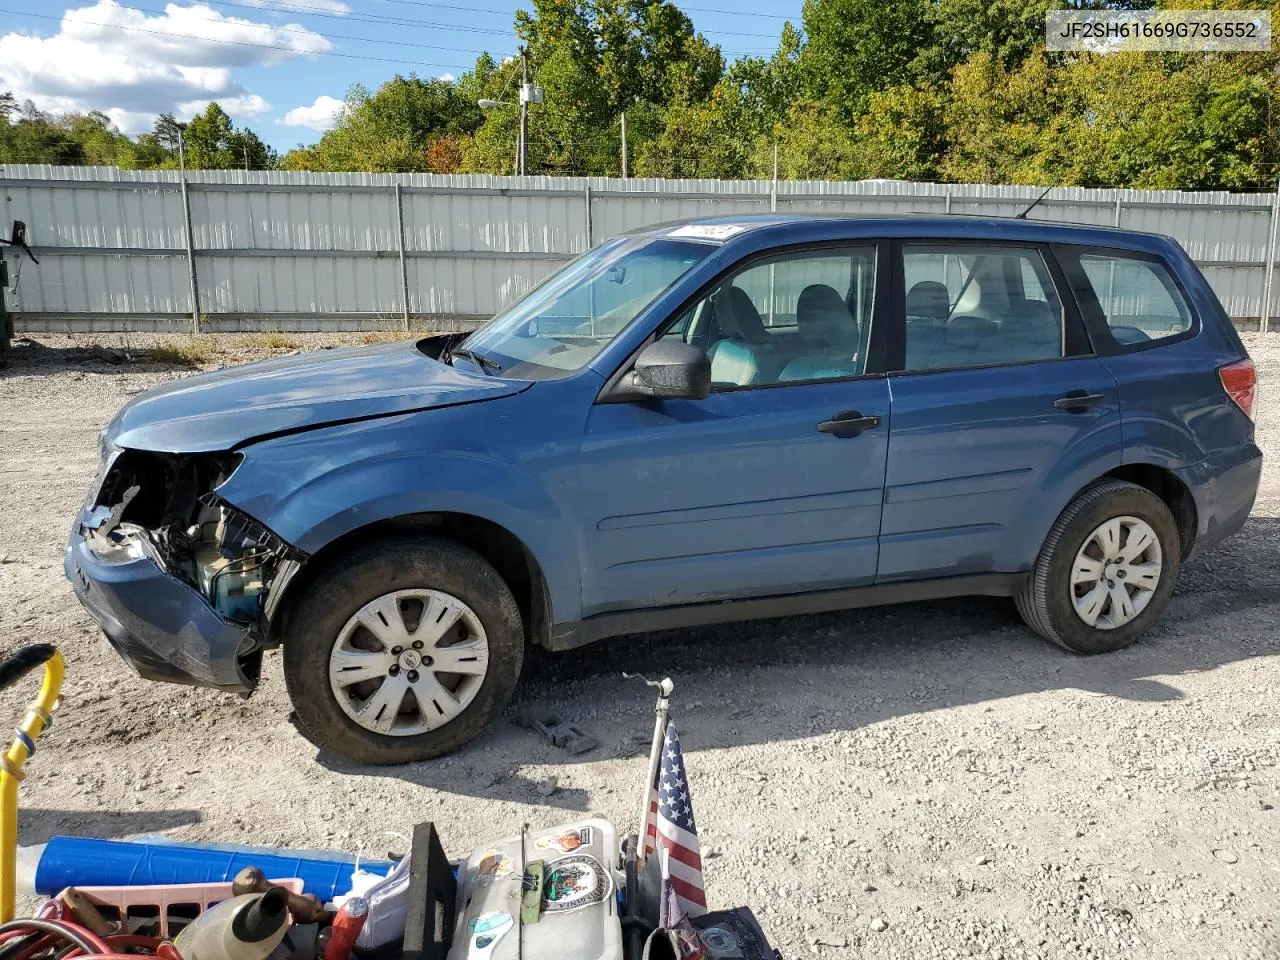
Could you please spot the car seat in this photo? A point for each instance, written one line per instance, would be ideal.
(743, 354)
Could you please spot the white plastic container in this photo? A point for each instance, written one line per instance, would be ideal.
(578, 917)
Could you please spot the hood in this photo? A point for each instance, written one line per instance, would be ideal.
(229, 408)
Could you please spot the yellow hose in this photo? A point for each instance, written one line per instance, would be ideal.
(33, 724)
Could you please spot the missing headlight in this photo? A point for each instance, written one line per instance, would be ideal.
(235, 559)
(162, 507)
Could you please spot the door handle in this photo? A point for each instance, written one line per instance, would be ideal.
(848, 423)
(1078, 400)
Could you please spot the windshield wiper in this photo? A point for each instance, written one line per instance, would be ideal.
(480, 360)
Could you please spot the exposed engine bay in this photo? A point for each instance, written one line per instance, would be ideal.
(162, 507)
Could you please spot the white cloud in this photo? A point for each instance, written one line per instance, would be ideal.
(249, 105)
(447, 77)
(302, 6)
(170, 62)
(319, 116)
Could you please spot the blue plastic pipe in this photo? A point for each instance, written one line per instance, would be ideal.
(87, 862)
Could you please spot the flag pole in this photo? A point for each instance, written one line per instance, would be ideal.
(664, 687)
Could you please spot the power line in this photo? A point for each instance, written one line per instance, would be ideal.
(289, 6)
(682, 6)
(297, 6)
(236, 43)
(292, 7)
(454, 6)
(311, 11)
(307, 31)
(737, 13)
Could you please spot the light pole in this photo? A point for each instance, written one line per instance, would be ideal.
(486, 104)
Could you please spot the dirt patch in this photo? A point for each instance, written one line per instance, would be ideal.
(914, 781)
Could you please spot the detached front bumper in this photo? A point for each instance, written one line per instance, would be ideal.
(162, 627)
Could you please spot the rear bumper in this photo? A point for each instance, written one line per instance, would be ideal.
(161, 627)
(1224, 491)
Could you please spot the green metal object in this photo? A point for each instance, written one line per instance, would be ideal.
(531, 894)
(6, 318)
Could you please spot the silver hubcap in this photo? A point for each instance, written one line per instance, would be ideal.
(1116, 573)
(408, 662)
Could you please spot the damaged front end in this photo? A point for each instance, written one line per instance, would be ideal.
(183, 584)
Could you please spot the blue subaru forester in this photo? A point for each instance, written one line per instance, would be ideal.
(698, 422)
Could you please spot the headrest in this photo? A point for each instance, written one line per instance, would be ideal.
(1032, 321)
(821, 313)
(738, 317)
(929, 299)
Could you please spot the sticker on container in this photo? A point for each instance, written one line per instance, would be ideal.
(566, 842)
(720, 943)
(486, 930)
(574, 882)
(493, 866)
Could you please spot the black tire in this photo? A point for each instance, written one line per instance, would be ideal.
(367, 574)
(1045, 602)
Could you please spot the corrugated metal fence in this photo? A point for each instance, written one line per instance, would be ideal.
(300, 251)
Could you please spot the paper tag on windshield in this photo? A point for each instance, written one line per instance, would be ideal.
(707, 231)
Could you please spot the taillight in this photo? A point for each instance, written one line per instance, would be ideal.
(1240, 381)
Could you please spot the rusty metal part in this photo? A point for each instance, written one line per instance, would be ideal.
(85, 912)
(303, 907)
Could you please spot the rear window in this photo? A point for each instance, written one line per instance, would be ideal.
(1139, 298)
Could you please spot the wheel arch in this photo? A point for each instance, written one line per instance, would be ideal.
(1166, 485)
(1162, 482)
(498, 546)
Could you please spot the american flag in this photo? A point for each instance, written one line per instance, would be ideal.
(670, 825)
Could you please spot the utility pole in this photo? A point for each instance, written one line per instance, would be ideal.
(524, 112)
(624, 144)
(186, 225)
(773, 191)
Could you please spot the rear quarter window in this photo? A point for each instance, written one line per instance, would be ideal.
(1138, 298)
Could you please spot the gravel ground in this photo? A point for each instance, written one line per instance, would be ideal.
(914, 781)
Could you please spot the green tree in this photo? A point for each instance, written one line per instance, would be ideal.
(213, 143)
(594, 59)
(855, 47)
(902, 135)
(813, 144)
(390, 131)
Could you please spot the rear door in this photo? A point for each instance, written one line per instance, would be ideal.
(1001, 412)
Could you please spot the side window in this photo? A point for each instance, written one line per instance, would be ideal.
(788, 319)
(1139, 299)
(968, 306)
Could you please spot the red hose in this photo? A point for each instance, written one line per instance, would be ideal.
(59, 928)
(118, 941)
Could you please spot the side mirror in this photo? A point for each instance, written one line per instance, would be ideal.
(668, 369)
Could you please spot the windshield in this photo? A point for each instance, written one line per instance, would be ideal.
(561, 324)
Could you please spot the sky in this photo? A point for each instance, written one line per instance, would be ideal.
(279, 66)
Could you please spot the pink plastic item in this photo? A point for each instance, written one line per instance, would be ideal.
(155, 901)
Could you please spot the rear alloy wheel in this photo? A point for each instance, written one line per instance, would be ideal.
(1106, 569)
(1116, 573)
(403, 651)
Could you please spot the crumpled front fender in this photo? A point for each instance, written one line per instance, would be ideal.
(314, 488)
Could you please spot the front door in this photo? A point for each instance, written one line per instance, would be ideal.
(1000, 411)
(770, 485)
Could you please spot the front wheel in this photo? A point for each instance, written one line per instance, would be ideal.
(1106, 570)
(404, 651)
